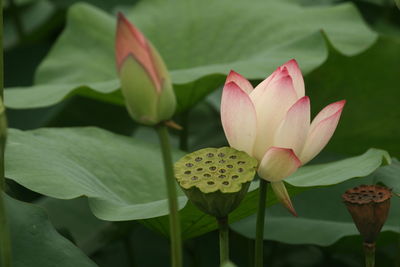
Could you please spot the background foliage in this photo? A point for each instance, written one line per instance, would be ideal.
(88, 156)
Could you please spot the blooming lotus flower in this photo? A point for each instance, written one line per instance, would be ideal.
(145, 81)
(272, 123)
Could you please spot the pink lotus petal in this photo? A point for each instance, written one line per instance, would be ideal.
(277, 164)
(242, 82)
(292, 132)
(295, 73)
(238, 118)
(271, 107)
(278, 74)
(283, 196)
(321, 130)
(131, 42)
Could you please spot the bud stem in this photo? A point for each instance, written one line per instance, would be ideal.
(175, 230)
(259, 244)
(369, 250)
(223, 239)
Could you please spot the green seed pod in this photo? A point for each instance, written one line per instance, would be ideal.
(216, 179)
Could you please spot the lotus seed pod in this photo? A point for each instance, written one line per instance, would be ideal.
(369, 206)
(216, 179)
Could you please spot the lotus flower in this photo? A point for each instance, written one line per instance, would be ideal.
(145, 81)
(272, 123)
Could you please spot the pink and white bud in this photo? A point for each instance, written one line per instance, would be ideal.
(145, 81)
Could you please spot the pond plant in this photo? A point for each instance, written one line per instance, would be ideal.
(165, 133)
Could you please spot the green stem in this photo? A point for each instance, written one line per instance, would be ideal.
(5, 243)
(369, 250)
(223, 239)
(175, 230)
(259, 245)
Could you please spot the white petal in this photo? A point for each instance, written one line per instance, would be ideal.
(238, 118)
(277, 164)
(321, 130)
(295, 73)
(283, 196)
(242, 82)
(271, 107)
(292, 132)
(276, 75)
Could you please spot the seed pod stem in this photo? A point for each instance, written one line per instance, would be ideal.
(369, 206)
(223, 239)
(369, 250)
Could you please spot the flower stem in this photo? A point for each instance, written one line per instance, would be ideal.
(5, 243)
(223, 239)
(369, 250)
(175, 230)
(259, 245)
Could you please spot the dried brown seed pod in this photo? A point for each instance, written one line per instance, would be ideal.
(369, 206)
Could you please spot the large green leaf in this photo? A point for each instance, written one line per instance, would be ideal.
(35, 243)
(74, 218)
(339, 171)
(122, 178)
(323, 218)
(200, 42)
(389, 176)
(370, 84)
(195, 223)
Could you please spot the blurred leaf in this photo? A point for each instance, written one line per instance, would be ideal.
(84, 111)
(6, 3)
(82, 61)
(228, 264)
(195, 223)
(122, 178)
(36, 243)
(389, 176)
(32, 15)
(323, 218)
(75, 217)
(339, 171)
(370, 84)
(386, 3)
(104, 4)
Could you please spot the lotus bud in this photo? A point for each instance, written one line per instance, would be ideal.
(369, 207)
(145, 82)
(216, 179)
